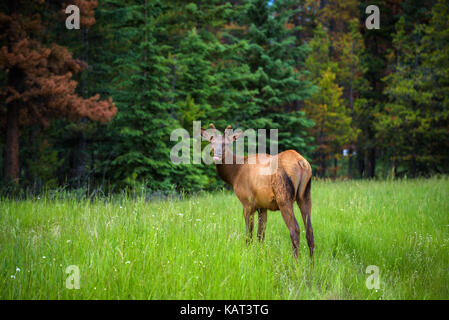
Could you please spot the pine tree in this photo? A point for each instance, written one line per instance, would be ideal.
(372, 99)
(144, 124)
(414, 124)
(277, 65)
(352, 70)
(436, 67)
(39, 80)
(326, 107)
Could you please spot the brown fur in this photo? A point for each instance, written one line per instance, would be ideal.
(290, 182)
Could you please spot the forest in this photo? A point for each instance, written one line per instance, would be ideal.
(93, 108)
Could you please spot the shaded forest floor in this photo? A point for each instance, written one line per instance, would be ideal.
(195, 248)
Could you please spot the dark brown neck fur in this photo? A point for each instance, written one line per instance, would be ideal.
(228, 172)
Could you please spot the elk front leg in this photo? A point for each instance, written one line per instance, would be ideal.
(262, 224)
(248, 214)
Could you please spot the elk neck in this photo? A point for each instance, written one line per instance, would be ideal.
(228, 172)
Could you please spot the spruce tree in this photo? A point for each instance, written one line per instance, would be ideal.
(145, 123)
(414, 124)
(277, 65)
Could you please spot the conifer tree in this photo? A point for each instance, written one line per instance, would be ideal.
(277, 65)
(414, 124)
(436, 66)
(142, 81)
(39, 85)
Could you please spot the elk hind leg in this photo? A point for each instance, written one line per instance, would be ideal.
(305, 206)
(292, 225)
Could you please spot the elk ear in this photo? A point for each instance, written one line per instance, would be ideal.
(206, 135)
(234, 136)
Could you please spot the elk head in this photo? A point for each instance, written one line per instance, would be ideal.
(220, 144)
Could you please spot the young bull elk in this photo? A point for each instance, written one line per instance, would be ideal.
(262, 191)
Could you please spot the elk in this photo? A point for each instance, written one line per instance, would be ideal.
(259, 191)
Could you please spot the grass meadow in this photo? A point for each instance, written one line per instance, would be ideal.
(194, 248)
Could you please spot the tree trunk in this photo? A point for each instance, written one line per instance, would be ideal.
(81, 161)
(371, 162)
(351, 106)
(323, 166)
(413, 165)
(11, 151)
(199, 23)
(361, 162)
(393, 169)
(335, 167)
(12, 143)
(350, 152)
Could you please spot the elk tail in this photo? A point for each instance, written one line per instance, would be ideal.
(305, 183)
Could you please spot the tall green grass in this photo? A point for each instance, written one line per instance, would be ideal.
(195, 248)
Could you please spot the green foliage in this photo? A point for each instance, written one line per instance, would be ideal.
(333, 123)
(143, 126)
(308, 69)
(43, 165)
(277, 66)
(198, 61)
(416, 119)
